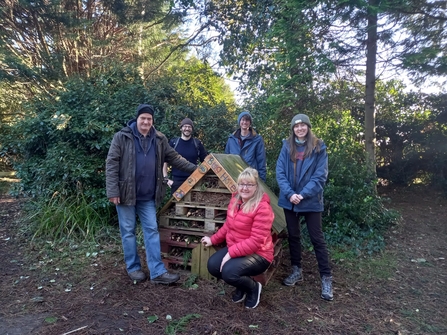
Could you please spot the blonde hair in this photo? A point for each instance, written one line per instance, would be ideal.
(251, 175)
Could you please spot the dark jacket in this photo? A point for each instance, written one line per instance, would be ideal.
(310, 183)
(252, 150)
(120, 166)
(192, 150)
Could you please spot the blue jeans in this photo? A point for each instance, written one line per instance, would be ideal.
(127, 220)
(238, 271)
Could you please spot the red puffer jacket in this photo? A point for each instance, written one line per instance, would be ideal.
(248, 233)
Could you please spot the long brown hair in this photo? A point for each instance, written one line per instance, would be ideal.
(312, 142)
(252, 176)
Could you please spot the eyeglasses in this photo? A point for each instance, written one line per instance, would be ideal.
(246, 185)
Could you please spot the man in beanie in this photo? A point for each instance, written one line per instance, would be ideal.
(190, 148)
(248, 144)
(134, 183)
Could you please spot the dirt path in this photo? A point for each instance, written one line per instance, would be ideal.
(61, 290)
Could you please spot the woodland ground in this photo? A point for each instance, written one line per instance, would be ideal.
(84, 289)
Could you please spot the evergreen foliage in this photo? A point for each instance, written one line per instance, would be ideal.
(60, 145)
(71, 78)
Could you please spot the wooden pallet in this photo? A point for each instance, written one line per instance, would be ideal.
(199, 207)
(200, 256)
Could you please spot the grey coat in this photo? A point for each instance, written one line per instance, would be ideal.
(120, 166)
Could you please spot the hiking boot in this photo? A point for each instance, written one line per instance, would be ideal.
(238, 296)
(326, 288)
(137, 276)
(253, 297)
(294, 277)
(166, 278)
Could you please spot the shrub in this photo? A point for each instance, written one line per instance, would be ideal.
(60, 146)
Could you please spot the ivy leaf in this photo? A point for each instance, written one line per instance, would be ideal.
(152, 318)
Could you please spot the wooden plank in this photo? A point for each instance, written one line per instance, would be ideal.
(205, 255)
(207, 252)
(212, 190)
(192, 180)
(200, 205)
(191, 218)
(195, 260)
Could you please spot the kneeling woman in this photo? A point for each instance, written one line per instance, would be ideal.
(247, 232)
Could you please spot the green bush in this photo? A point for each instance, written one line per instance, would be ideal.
(60, 146)
(354, 217)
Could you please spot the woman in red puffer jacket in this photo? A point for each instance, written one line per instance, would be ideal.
(247, 233)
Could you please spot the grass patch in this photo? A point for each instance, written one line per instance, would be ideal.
(175, 327)
(383, 266)
(66, 218)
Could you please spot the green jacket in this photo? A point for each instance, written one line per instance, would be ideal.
(120, 166)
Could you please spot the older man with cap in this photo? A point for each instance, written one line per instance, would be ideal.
(187, 146)
(248, 144)
(134, 183)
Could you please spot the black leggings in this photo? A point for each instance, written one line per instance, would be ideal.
(313, 221)
(237, 271)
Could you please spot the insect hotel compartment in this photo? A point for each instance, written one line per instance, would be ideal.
(199, 208)
(177, 245)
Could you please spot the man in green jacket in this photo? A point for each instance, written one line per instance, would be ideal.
(135, 184)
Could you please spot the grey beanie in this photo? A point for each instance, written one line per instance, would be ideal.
(245, 113)
(300, 118)
(186, 120)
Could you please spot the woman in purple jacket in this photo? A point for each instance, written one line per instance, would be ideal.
(301, 172)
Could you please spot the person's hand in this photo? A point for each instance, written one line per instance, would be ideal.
(296, 199)
(206, 241)
(224, 260)
(115, 200)
(170, 182)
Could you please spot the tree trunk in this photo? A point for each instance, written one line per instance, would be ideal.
(370, 126)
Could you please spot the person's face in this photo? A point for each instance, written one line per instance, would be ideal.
(245, 122)
(144, 123)
(246, 189)
(186, 130)
(301, 129)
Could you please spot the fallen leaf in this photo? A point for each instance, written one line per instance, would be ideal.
(152, 318)
(37, 299)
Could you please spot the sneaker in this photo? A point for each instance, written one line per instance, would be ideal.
(166, 278)
(238, 296)
(326, 288)
(137, 276)
(294, 277)
(253, 297)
